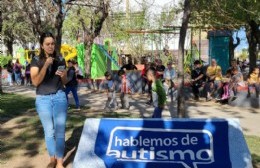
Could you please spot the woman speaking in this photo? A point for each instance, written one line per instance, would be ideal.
(48, 74)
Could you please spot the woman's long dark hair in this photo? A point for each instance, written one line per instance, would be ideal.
(42, 38)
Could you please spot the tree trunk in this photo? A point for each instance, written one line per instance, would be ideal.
(1, 89)
(9, 46)
(252, 34)
(1, 22)
(58, 39)
(58, 26)
(232, 48)
(96, 23)
(183, 31)
(88, 47)
(1, 26)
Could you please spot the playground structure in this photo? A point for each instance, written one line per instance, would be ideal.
(103, 57)
(24, 55)
(68, 52)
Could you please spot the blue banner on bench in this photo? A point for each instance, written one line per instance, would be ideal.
(155, 143)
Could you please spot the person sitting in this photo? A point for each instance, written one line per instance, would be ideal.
(234, 65)
(213, 85)
(198, 78)
(128, 67)
(225, 93)
(254, 81)
(236, 80)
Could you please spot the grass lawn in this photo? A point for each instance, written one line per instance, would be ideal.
(21, 129)
(254, 146)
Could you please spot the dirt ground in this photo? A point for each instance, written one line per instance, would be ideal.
(34, 155)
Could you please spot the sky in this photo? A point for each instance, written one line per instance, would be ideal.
(243, 41)
(155, 7)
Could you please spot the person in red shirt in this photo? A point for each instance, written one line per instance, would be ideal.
(125, 89)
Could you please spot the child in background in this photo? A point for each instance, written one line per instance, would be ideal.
(168, 76)
(144, 78)
(27, 74)
(236, 80)
(254, 81)
(158, 93)
(225, 87)
(125, 89)
(72, 85)
(110, 85)
(150, 102)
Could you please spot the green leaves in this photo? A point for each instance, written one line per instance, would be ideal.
(16, 25)
(231, 14)
(4, 60)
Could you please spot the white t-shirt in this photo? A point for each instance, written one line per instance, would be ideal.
(169, 74)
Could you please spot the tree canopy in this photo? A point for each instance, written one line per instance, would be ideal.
(230, 15)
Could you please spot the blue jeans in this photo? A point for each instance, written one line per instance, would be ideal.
(52, 110)
(111, 100)
(18, 78)
(157, 113)
(75, 94)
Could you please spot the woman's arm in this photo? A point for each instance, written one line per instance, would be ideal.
(63, 76)
(38, 76)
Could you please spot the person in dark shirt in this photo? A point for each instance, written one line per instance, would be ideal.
(10, 71)
(49, 75)
(72, 84)
(18, 72)
(128, 67)
(198, 78)
(159, 69)
(27, 74)
(234, 65)
(78, 70)
(144, 78)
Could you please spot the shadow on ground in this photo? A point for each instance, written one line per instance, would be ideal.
(21, 129)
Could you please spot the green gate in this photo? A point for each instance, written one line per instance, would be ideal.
(219, 49)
